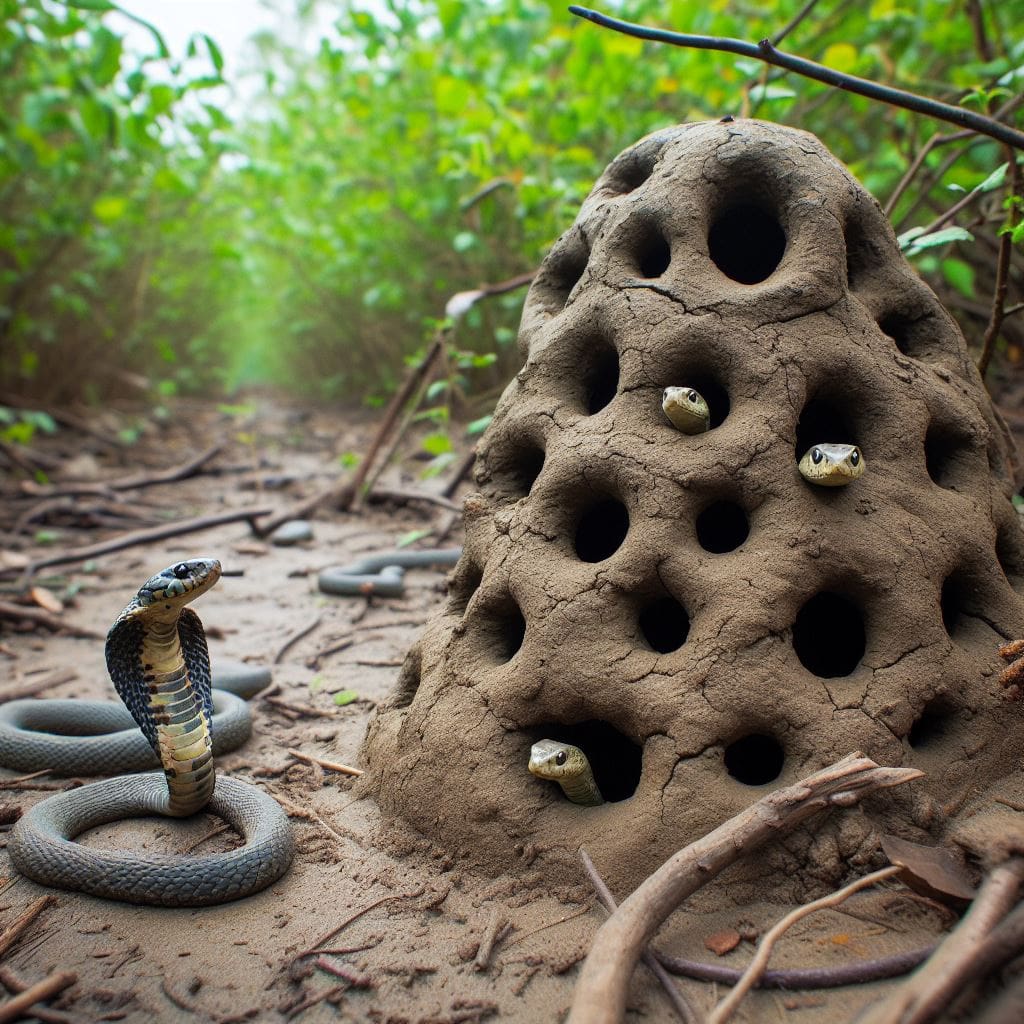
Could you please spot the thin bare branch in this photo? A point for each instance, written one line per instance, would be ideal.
(766, 51)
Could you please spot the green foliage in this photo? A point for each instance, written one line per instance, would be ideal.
(423, 148)
(105, 160)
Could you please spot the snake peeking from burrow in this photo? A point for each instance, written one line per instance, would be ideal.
(569, 767)
(832, 465)
(686, 409)
(159, 663)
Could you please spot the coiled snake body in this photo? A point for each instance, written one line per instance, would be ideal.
(159, 664)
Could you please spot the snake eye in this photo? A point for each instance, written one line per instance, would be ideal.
(816, 456)
(855, 457)
(691, 395)
(181, 570)
(561, 757)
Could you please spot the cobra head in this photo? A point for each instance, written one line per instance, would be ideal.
(169, 591)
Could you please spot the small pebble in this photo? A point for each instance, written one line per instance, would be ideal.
(295, 531)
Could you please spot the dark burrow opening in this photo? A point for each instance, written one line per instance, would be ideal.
(665, 625)
(933, 723)
(722, 527)
(515, 469)
(746, 243)
(957, 603)
(599, 375)
(652, 253)
(564, 269)
(948, 456)
(500, 628)
(828, 635)
(630, 170)
(408, 681)
(601, 530)
(755, 759)
(913, 337)
(615, 759)
(824, 421)
(464, 585)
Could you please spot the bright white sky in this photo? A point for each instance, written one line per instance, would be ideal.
(229, 22)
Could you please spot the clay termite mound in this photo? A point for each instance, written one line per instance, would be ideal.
(689, 610)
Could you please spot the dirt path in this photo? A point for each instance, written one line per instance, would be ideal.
(413, 924)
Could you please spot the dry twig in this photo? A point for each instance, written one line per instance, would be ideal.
(14, 930)
(41, 617)
(925, 995)
(601, 993)
(331, 766)
(137, 537)
(727, 1007)
(682, 1006)
(16, 1006)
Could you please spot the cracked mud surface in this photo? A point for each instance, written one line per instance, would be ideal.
(688, 609)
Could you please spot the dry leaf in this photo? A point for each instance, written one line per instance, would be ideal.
(933, 871)
(46, 599)
(13, 560)
(722, 942)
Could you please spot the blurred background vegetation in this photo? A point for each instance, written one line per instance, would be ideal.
(158, 238)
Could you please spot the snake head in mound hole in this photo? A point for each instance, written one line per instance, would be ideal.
(686, 409)
(552, 760)
(832, 465)
(178, 584)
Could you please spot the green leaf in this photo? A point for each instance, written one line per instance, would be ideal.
(761, 93)
(109, 208)
(437, 443)
(107, 60)
(91, 5)
(216, 57)
(349, 460)
(960, 275)
(411, 537)
(464, 241)
(942, 237)
(343, 697)
(994, 180)
(478, 426)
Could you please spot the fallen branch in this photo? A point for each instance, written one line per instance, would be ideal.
(139, 537)
(13, 931)
(46, 682)
(765, 51)
(331, 766)
(755, 969)
(14, 612)
(381, 494)
(17, 1005)
(682, 1006)
(295, 638)
(604, 982)
(343, 971)
(128, 483)
(929, 992)
(13, 983)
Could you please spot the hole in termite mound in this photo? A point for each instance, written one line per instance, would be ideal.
(746, 243)
(664, 625)
(828, 635)
(825, 420)
(514, 467)
(755, 759)
(498, 629)
(465, 583)
(598, 374)
(722, 527)
(601, 529)
(408, 682)
(615, 759)
(932, 725)
(950, 456)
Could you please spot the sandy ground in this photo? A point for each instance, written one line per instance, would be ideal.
(409, 917)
